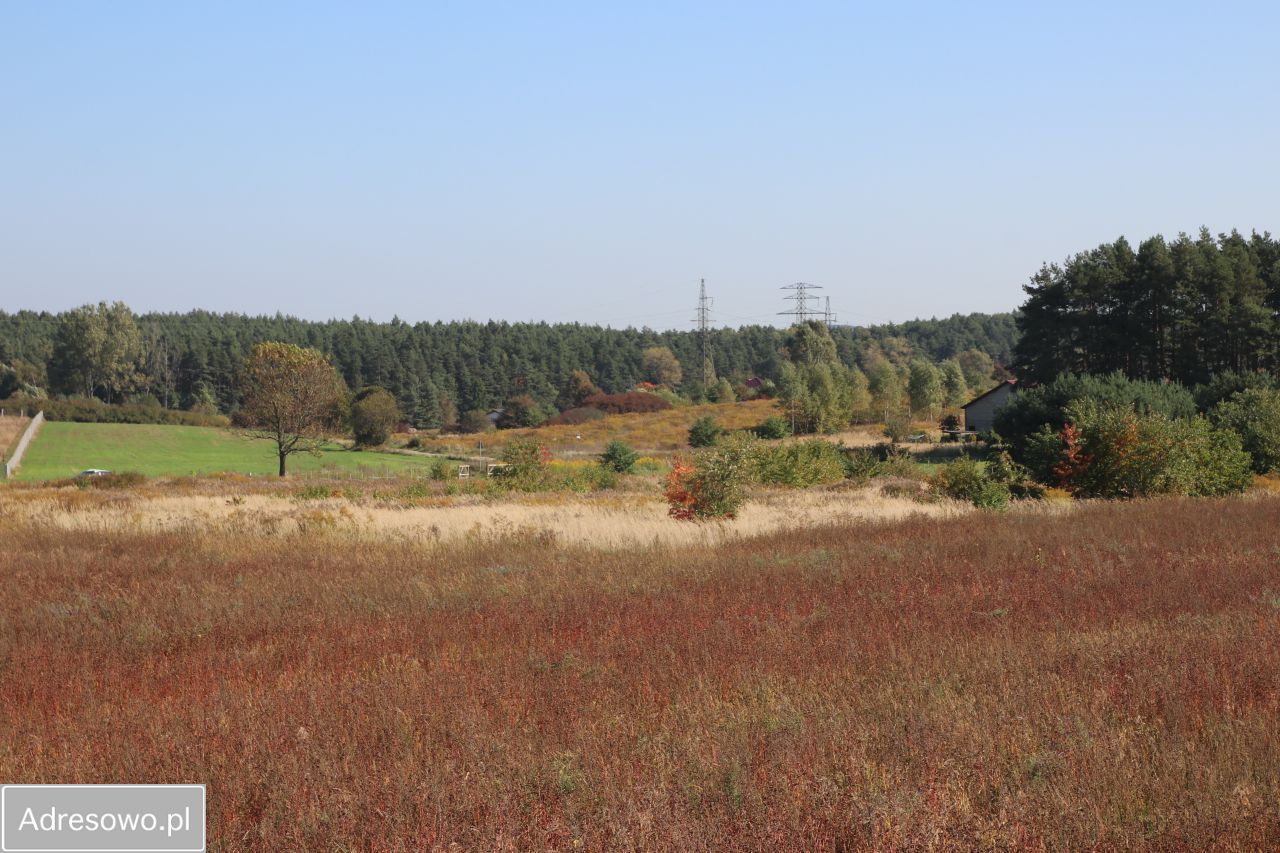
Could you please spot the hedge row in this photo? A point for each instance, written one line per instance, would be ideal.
(88, 410)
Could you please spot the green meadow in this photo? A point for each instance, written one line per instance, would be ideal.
(63, 449)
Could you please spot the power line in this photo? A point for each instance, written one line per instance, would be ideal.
(804, 309)
(704, 333)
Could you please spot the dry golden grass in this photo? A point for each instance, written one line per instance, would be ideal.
(615, 519)
(656, 431)
(1267, 482)
(1104, 678)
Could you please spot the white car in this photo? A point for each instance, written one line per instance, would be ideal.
(92, 472)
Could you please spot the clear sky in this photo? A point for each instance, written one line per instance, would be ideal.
(591, 161)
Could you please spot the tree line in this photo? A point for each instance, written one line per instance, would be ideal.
(437, 370)
(1185, 310)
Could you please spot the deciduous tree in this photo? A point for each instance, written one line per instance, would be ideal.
(661, 366)
(96, 349)
(289, 397)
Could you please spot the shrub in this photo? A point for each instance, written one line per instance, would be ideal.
(475, 420)
(313, 493)
(860, 464)
(576, 416)
(374, 413)
(705, 432)
(947, 425)
(713, 485)
(628, 403)
(722, 392)
(618, 456)
(894, 461)
(897, 427)
(120, 480)
(800, 465)
(1043, 451)
(671, 397)
(442, 470)
(773, 427)
(1253, 415)
(582, 478)
(1002, 469)
(965, 479)
(525, 466)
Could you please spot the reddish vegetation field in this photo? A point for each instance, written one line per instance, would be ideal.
(1108, 676)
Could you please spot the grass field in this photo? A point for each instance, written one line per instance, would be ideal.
(1105, 677)
(63, 449)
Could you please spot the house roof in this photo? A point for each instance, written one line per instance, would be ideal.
(1012, 383)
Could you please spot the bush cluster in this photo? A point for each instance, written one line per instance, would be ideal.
(965, 479)
(525, 465)
(115, 480)
(714, 484)
(800, 465)
(773, 427)
(628, 403)
(576, 416)
(1253, 415)
(1115, 452)
(1030, 409)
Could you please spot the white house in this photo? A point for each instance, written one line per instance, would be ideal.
(980, 412)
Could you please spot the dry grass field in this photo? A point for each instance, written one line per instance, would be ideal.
(621, 518)
(665, 430)
(11, 427)
(1103, 677)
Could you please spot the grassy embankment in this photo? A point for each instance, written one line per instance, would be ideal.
(1105, 677)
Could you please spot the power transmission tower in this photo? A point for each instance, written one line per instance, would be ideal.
(704, 334)
(804, 309)
(828, 317)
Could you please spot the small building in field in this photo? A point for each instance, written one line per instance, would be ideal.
(980, 412)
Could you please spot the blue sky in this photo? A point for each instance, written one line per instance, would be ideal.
(591, 161)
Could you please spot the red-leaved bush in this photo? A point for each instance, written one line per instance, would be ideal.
(681, 491)
(1075, 461)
